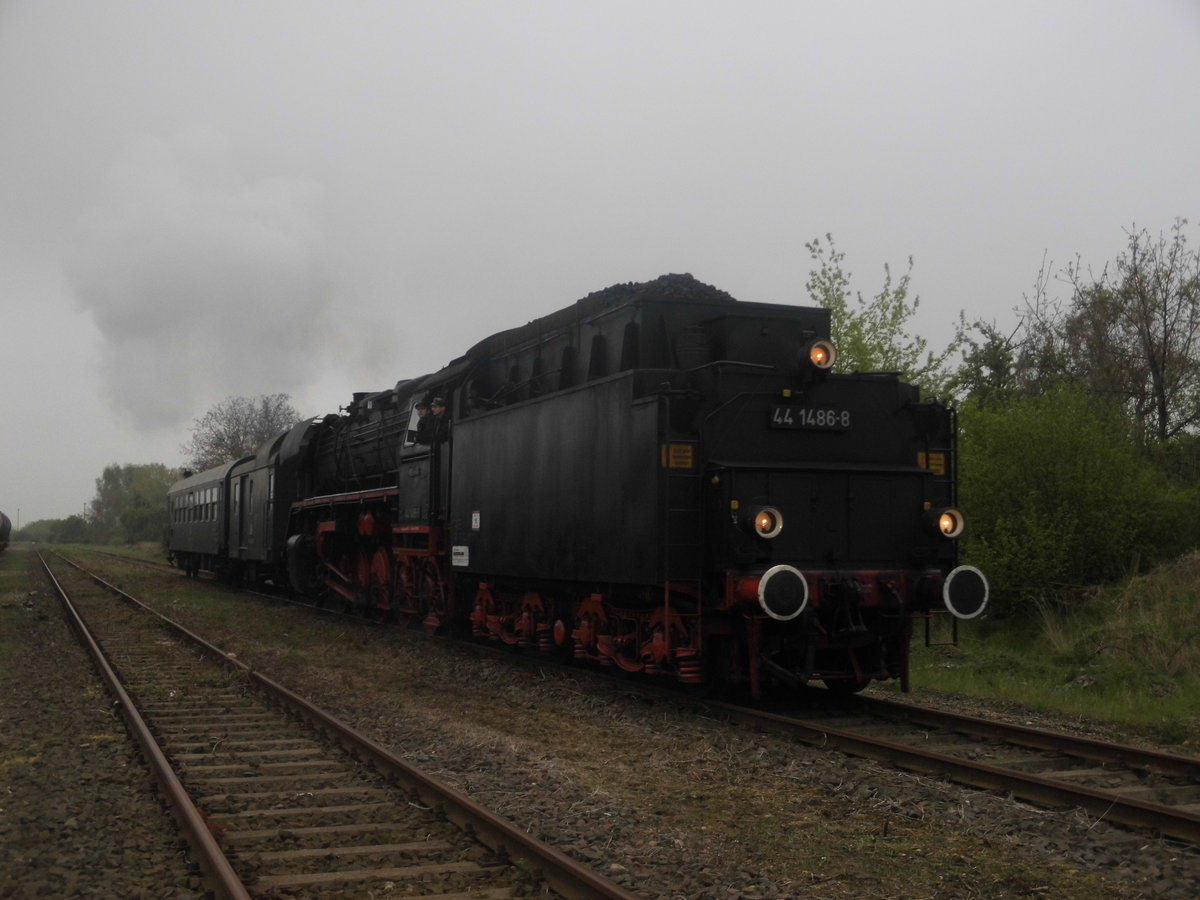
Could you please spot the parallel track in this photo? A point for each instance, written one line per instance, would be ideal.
(278, 798)
(1138, 788)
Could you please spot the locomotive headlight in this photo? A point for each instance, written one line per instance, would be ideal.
(947, 522)
(820, 355)
(768, 522)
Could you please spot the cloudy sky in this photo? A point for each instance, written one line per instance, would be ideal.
(234, 197)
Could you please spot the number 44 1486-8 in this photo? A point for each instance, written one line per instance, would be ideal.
(807, 417)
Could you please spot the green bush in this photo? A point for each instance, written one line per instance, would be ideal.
(1059, 497)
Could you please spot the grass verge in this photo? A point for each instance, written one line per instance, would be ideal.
(1127, 655)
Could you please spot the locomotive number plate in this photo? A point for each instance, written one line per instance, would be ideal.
(821, 419)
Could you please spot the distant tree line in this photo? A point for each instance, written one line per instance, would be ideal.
(129, 507)
(130, 504)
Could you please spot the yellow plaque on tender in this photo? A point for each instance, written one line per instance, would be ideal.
(679, 456)
(934, 462)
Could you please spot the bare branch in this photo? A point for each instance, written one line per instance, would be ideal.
(237, 427)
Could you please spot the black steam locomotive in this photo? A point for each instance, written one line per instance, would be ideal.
(658, 477)
(5, 530)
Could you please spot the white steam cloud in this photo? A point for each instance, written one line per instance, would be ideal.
(204, 281)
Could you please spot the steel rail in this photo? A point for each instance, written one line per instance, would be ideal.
(1166, 820)
(570, 878)
(1088, 748)
(220, 874)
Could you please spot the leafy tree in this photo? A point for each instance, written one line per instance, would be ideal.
(988, 373)
(1130, 335)
(872, 335)
(72, 530)
(130, 503)
(237, 427)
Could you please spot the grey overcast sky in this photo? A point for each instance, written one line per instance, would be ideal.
(219, 197)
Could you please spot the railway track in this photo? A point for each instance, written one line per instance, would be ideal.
(1144, 789)
(278, 798)
(1141, 789)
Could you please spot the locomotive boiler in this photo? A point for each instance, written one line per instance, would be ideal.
(657, 478)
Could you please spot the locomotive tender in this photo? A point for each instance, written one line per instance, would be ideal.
(659, 478)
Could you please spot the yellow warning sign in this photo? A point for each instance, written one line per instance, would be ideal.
(934, 462)
(678, 456)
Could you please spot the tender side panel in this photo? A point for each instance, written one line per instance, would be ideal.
(561, 488)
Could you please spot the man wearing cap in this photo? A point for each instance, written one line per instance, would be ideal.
(440, 425)
(424, 423)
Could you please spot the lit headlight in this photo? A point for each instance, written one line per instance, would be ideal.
(820, 355)
(768, 522)
(948, 522)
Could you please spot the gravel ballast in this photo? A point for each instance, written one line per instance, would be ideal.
(79, 816)
(667, 802)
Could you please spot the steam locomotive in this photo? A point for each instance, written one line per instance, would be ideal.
(5, 530)
(658, 478)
